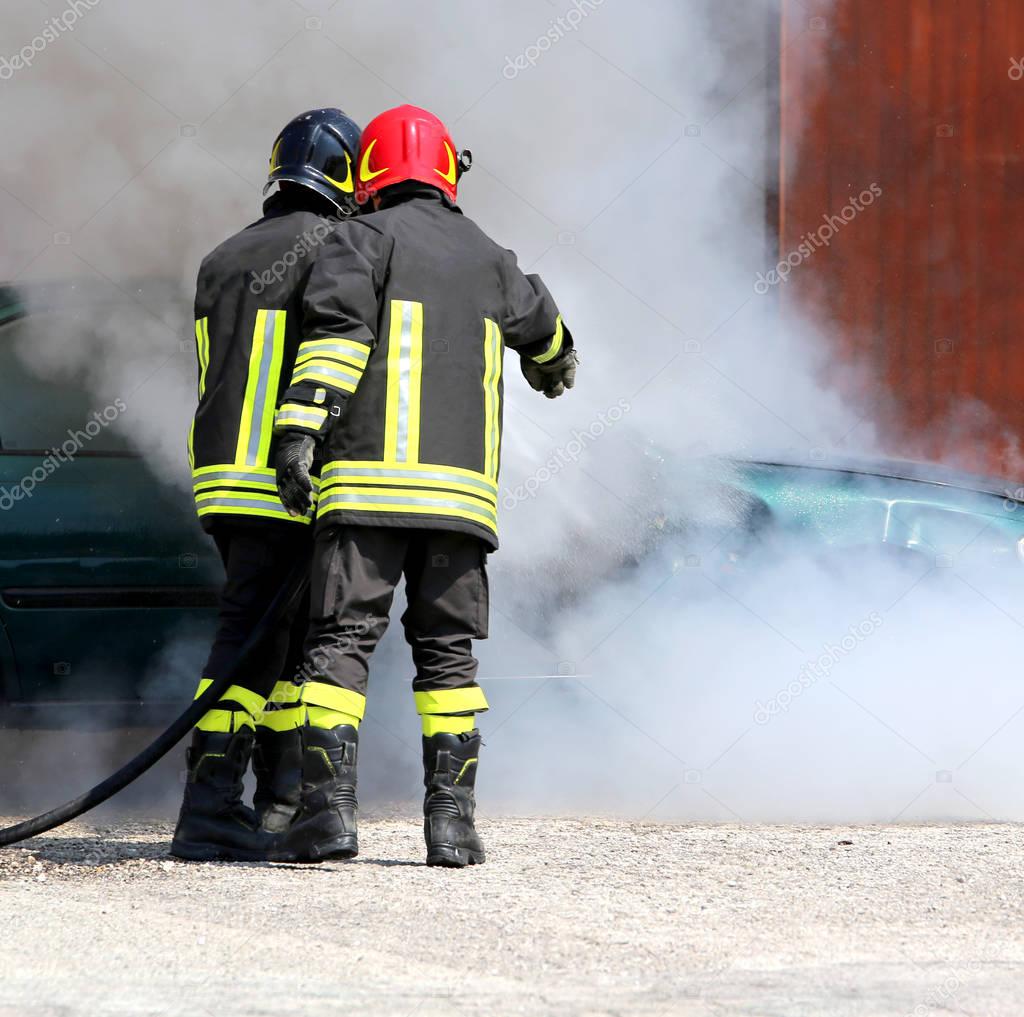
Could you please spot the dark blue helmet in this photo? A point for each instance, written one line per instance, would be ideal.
(318, 149)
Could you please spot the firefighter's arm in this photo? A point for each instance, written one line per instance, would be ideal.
(340, 314)
(340, 304)
(535, 330)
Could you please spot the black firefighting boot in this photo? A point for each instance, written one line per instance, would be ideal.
(449, 774)
(277, 765)
(214, 824)
(326, 824)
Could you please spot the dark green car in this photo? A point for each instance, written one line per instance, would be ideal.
(108, 585)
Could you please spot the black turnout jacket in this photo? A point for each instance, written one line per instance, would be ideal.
(248, 327)
(407, 313)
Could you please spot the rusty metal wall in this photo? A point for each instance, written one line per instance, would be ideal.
(923, 289)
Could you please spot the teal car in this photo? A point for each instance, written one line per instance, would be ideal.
(923, 513)
(108, 586)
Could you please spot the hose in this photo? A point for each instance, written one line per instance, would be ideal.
(134, 768)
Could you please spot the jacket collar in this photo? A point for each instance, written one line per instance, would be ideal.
(277, 204)
(399, 194)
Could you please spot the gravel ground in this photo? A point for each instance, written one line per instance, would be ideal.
(568, 916)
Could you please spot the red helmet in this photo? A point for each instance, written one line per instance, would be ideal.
(408, 143)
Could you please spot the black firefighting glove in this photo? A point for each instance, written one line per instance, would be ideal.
(552, 378)
(293, 460)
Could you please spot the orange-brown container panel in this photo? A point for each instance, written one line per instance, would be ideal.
(923, 290)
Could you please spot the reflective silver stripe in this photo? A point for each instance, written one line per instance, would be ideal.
(329, 501)
(357, 351)
(227, 502)
(346, 472)
(241, 477)
(227, 477)
(404, 367)
(352, 376)
(309, 416)
(259, 405)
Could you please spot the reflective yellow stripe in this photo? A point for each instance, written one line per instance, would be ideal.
(359, 352)
(321, 717)
(333, 698)
(467, 700)
(235, 693)
(465, 766)
(438, 485)
(231, 470)
(203, 351)
(244, 697)
(215, 496)
(337, 378)
(345, 469)
(224, 721)
(301, 416)
(245, 503)
(257, 425)
(555, 346)
(405, 373)
(328, 357)
(229, 475)
(229, 486)
(437, 503)
(493, 349)
(283, 720)
(415, 384)
(442, 723)
(203, 356)
(238, 509)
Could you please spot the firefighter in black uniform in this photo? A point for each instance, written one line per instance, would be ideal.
(248, 310)
(409, 309)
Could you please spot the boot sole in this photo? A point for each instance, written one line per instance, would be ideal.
(339, 849)
(216, 853)
(445, 857)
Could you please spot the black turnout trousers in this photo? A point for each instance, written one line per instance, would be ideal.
(258, 557)
(355, 572)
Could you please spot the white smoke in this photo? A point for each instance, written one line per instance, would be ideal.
(628, 159)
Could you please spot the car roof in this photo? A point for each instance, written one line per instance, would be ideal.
(917, 471)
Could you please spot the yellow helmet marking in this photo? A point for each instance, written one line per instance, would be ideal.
(365, 173)
(345, 185)
(273, 155)
(450, 175)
